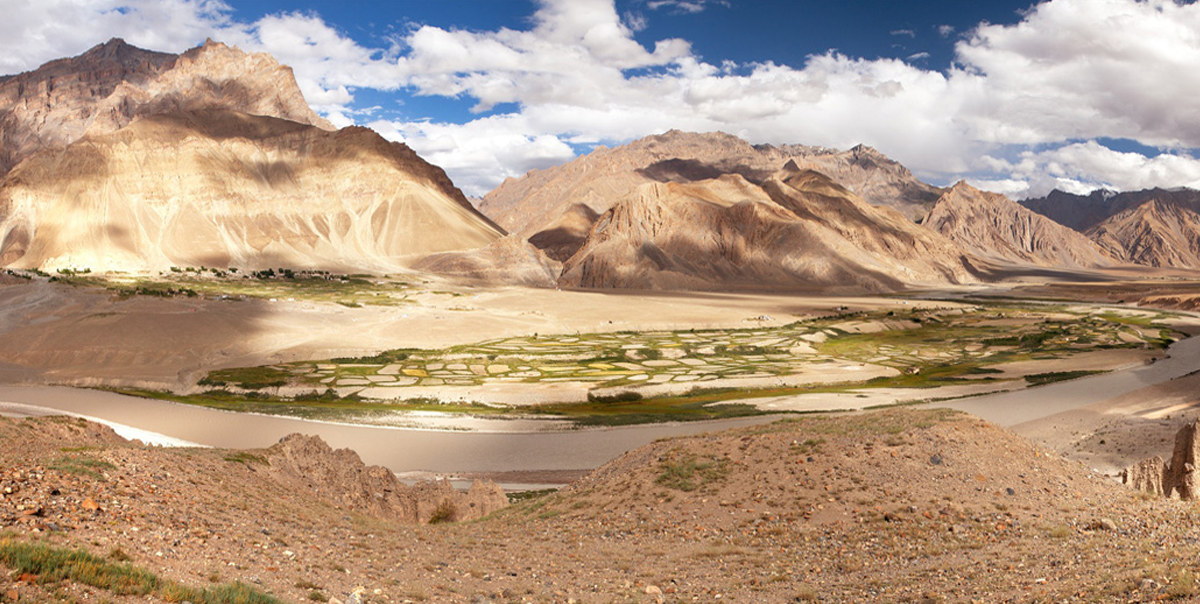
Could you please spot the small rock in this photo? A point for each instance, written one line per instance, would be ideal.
(1148, 585)
(1010, 491)
(935, 459)
(1104, 524)
(356, 596)
(654, 590)
(90, 505)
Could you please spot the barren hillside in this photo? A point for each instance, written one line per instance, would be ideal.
(554, 208)
(900, 505)
(992, 226)
(219, 188)
(798, 230)
(113, 84)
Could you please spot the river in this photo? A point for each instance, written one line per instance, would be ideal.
(412, 450)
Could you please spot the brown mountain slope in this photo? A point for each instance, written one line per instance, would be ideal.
(992, 226)
(217, 188)
(554, 208)
(799, 230)
(509, 260)
(893, 506)
(114, 83)
(1158, 232)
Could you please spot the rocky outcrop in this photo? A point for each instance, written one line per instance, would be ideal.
(221, 188)
(1146, 475)
(1159, 232)
(1153, 227)
(991, 226)
(113, 84)
(873, 176)
(1177, 479)
(798, 230)
(341, 478)
(555, 208)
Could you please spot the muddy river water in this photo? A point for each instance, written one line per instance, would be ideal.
(408, 450)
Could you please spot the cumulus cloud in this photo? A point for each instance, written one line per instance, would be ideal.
(1087, 166)
(482, 152)
(1026, 93)
(32, 33)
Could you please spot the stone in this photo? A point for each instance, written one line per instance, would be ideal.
(90, 505)
(655, 592)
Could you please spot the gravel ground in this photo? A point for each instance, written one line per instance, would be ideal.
(889, 506)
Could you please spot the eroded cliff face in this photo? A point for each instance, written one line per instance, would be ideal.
(1159, 232)
(1152, 227)
(220, 188)
(555, 208)
(112, 84)
(341, 478)
(992, 226)
(798, 230)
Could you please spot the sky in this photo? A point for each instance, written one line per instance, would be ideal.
(1013, 96)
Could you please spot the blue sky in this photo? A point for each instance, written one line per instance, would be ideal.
(1016, 97)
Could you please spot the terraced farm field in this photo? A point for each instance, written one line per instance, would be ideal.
(904, 348)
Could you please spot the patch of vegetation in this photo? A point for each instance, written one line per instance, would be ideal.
(687, 472)
(1038, 379)
(523, 496)
(444, 513)
(248, 378)
(627, 396)
(243, 457)
(81, 465)
(52, 564)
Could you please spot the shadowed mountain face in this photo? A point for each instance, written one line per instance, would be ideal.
(555, 208)
(109, 86)
(1154, 227)
(219, 188)
(991, 226)
(797, 230)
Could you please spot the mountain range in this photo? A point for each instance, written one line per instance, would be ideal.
(123, 159)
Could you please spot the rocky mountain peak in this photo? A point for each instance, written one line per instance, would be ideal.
(114, 83)
(992, 226)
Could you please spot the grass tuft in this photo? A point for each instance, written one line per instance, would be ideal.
(53, 564)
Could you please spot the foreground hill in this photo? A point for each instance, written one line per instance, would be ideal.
(113, 84)
(798, 230)
(901, 505)
(992, 226)
(554, 208)
(220, 188)
(1153, 227)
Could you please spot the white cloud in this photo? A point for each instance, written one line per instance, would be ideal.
(480, 153)
(685, 6)
(32, 33)
(1084, 167)
(1087, 68)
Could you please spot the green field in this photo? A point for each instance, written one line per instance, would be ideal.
(626, 372)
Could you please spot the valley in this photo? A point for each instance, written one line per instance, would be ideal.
(248, 356)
